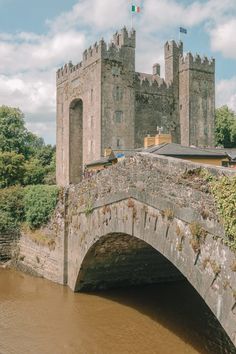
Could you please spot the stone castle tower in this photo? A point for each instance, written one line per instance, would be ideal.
(103, 102)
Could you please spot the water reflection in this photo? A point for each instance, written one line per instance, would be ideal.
(37, 316)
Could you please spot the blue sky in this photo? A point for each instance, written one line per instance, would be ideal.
(38, 37)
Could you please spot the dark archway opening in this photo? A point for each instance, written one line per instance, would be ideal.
(129, 271)
(76, 141)
(119, 260)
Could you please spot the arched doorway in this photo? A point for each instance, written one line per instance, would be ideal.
(76, 141)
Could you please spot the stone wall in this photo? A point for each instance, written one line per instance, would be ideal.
(42, 252)
(40, 259)
(7, 246)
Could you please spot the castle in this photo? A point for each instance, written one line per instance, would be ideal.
(103, 102)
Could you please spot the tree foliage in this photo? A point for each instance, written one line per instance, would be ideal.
(11, 169)
(24, 157)
(225, 127)
(39, 204)
(12, 209)
(32, 205)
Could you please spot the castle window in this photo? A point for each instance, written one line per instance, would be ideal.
(91, 122)
(118, 142)
(118, 116)
(180, 107)
(90, 146)
(91, 96)
(117, 93)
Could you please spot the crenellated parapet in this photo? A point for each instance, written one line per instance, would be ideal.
(124, 38)
(171, 48)
(90, 55)
(190, 62)
(151, 85)
(114, 51)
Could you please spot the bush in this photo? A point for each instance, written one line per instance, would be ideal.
(39, 204)
(8, 224)
(12, 209)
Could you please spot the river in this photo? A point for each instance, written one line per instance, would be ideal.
(40, 317)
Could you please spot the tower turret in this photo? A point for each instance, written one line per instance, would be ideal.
(197, 100)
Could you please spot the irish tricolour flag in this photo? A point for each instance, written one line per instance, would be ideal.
(135, 8)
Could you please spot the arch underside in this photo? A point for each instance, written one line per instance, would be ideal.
(119, 260)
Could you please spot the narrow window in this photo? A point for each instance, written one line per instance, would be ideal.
(117, 93)
(91, 122)
(118, 116)
(118, 142)
(91, 96)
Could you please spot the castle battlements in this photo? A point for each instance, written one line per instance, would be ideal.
(124, 38)
(190, 62)
(172, 47)
(151, 85)
(115, 51)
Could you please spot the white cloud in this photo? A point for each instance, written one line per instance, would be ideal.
(226, 93)
(31, 92)
(97, 14)
(29, 60)
(46, 130)
(40, 52)
(223, 38)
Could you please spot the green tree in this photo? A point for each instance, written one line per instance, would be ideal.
(25, 159)
(46, 154)
(34, 172)
(12, 130)
(11, 169)
(225, 127)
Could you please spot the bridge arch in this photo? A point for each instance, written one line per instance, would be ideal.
(118, 260)
(75, 141)
(101, 230)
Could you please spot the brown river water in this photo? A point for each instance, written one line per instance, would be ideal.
(37, 317)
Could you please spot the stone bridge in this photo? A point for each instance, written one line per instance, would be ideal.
(146, 219)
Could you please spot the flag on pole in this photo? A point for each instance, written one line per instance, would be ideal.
(135, 8)
(183, 30)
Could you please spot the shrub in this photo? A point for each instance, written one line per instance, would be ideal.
(12, 210)
(224, 191)
(39, 204)
(8, 224)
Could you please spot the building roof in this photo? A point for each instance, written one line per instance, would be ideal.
(172, 149)
(103, 160)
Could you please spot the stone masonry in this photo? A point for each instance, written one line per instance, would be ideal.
(103, 102)
(136, 223)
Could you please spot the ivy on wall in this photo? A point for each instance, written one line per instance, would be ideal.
(224, 191)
